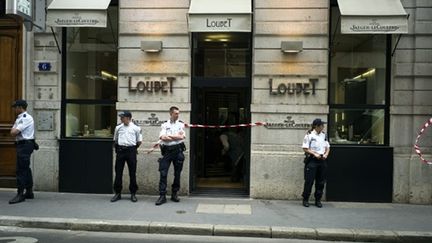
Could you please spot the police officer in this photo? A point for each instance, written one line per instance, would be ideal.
(317, 149)
(23, 131)
(127, 138)
(172, 137)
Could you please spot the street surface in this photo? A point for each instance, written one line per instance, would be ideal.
(29, 235)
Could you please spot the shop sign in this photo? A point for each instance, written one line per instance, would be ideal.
(151, 85)
(289, 123)
(220, 23)
(153, 120)
(292, 87)
(22, 8)
(381, 25)
(64, 18)
(374, 27)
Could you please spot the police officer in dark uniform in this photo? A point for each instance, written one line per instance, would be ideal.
(127, 138)
(23, 131)
(317, 149)
(171, 137)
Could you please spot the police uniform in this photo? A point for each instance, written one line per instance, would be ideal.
(24, 148)
(126, 139)
(315, 169)
(172, 151)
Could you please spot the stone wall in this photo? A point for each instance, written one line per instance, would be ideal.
(276, 156)
(153, 20)
(43, 88)
(411, 105)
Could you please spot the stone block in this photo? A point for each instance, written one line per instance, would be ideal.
(166, 55)
(335, 234)
(281, 15)
(151, 15)
(148, 28)
(290, 69)
(168, 41)
(291, 28)
(274, 42)
(292, 4)
(306, 56)
(240, 230)
(293, 233)
(375, 235)
(157, 68)
(189, 229)
(154, 4)
(45, 169)
(402, 97)
(269, 168)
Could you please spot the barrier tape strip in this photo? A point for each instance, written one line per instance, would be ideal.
(416, 147)
(155, 145)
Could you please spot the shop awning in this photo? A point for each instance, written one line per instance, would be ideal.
(77, 13)
(373, 17)
(220, 15)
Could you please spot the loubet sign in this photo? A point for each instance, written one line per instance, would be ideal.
(156, 85)
(292, 87)
(220, 23)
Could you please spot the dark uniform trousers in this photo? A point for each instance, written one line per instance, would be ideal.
(175, 156)
(315, 170)
(128, 155)
(24, 177)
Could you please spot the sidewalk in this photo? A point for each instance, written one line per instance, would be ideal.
(381, 222)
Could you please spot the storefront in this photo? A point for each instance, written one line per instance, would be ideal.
(232, 62)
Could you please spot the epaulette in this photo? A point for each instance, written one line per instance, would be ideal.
(181, 121)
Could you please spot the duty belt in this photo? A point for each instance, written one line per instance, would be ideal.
(24, 141)
(173, 147)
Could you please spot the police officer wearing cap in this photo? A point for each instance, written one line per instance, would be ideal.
(317, 149)
(23, 131)
(127, 138)
(172, 137)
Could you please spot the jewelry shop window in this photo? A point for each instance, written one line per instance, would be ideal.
(358, 95)
(90, 80)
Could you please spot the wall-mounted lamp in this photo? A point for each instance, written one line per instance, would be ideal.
(151, 46)
(291, 46)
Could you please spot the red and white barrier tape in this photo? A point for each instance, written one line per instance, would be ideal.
(226, 126)
(416, 147)
(155, 145)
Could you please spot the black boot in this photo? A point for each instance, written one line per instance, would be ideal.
(18, 198)
(318, 203)
(161, 200)
(306, 202)
(174, 197)
(29, 193)
(116, 197)
(133, 198)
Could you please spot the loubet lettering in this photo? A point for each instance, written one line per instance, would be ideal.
(293, 88)
(219, 23)
(152, 86)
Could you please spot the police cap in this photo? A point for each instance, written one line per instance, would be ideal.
(20, 103)
(125, 114)
(318, 122)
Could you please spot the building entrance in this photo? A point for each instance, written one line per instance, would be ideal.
(11, 81)
(220, 96)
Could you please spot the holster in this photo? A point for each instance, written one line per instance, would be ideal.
(307, 158)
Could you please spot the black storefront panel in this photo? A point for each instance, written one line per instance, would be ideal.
(85, 166)
(360, 174)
